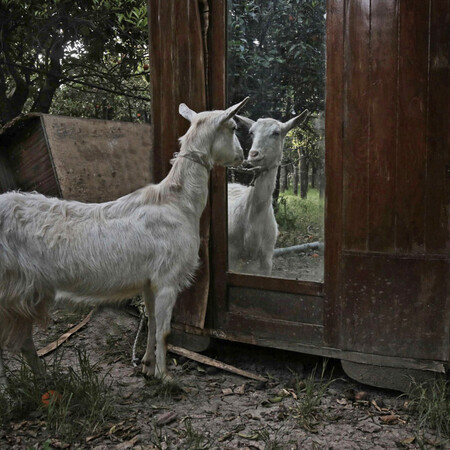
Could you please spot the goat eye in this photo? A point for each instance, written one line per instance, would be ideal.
(276, 133)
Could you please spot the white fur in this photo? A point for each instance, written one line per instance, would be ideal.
(146, 241)
(252, 228)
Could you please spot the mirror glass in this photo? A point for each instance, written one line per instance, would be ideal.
(276, 55)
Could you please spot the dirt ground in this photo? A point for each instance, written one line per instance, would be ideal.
(219, 410)
(305, 266)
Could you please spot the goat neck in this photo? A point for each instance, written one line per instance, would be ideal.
(189, 178)
(264, 186)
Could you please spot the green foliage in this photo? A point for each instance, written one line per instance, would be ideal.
(44, 43)
(310, 393)
(276, 54)
(430, 402)
(299, 220)
(83, 401)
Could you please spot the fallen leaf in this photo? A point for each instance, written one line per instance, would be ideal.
(166, 418)
(127, 444)
(390, 419)
(408, 440)
(225, 437)
(227, 391)
(240, 390)
(361, 395)
(276, 399)
(252, 437)
(375, 405)
(58, 444)
(342, 401)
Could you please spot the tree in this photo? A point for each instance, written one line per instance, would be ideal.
(276, 54)
(49, 44)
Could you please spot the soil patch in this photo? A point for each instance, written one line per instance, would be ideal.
(300, 407)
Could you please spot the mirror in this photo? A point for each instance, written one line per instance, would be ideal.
(276, 55)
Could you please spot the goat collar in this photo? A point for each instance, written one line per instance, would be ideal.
(194, 157)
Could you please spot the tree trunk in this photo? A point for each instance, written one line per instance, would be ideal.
(321, 182)
(304, 166)
(283, 179)
(52, 81)
(276, 192)
(295, 180)
(313, 176)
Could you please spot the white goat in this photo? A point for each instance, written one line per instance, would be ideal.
(252, 228)
(146, 241)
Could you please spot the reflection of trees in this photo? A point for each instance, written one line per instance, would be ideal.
(303, 158)
(276, 54)
(52, 54)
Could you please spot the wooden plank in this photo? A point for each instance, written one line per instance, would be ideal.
(30, 158)
(383, 123)
(217, 97)
(273, 330)
(214, 363)
(178, 76)
(98, 160)
(155, 49)
(322, 350)
(333, 168)
(437, 191)
(393, 305)
(276, 305)
(357, 120)
(412, 125)
(275, 284)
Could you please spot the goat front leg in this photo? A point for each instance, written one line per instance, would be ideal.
(149, 360)
(165, 301)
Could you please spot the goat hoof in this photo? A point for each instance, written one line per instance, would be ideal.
(148, 370)
(165, 377)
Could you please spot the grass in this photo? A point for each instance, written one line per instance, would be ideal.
(193, 439)
(310, 392)
(430, 403)
(164, 389)
(81, 404)
(299, 220)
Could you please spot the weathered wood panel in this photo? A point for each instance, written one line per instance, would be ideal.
(98, 160)
(257, 329)
(178, 76)
(28, 157)
(383, 124)
(333, 168)
(395, 306)
(387, 291)
(356, 124)
(217, 95)
(412, 125)
(437, 191)
(276, 305)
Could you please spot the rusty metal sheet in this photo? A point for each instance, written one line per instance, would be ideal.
(98, 160)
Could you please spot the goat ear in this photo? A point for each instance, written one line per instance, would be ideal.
(186, 112)
(296, 121)
(244, 121)
(231, 111)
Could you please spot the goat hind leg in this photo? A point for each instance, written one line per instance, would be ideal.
(165, 301)
(149, 359)
(29, 352)
(3, 381)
